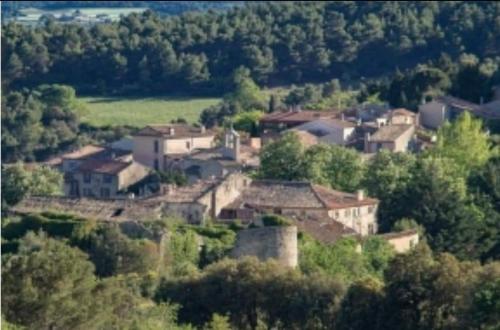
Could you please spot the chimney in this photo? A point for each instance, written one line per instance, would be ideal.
(360, 195)
(202, 129)
(367, 142)
(171, 131)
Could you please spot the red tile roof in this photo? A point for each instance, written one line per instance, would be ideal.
(335, 199)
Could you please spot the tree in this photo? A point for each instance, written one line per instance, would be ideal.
(336, 166)
(283, 159)
(378, 253)
(464, 142)
(114, 253)
(267, 294)
(437, 199)
(246, 94)
(423, 293)
(18, 182)
(218, 322)
(386, 178)
(362, 306)
(48, 285)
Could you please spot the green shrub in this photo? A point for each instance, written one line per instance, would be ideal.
(273, 220)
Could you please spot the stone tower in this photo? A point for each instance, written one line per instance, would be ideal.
(232, 144)
(279, 243)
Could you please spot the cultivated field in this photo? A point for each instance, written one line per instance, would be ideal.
(102, 111)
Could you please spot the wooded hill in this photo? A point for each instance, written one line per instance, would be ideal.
(280, 43)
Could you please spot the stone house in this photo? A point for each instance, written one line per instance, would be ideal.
(154, 143)
(232, 156)
(274, 123)
(304, 201)
(403, 116)
(402, 241)
(396, 138)
(329, 130)
(433, 114)
(70, 161)
(106, 179)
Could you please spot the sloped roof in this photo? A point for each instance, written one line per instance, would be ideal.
(174, 131)
(458, 103)
(296, 117)
(390, 132)
(327, 231)
(83, 152)
(103, 210)
(403, 112)
(103, 166)
(296, 195)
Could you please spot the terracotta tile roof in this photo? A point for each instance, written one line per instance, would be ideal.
(103, 166)
(174, 131)
(335, 199)
(263, 194)
(394, 235)
(327, 231)
(403, 112)
(390, 132)
(296, 117)
(83, 152)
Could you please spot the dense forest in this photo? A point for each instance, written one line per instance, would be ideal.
(9, 8)
(281, 43)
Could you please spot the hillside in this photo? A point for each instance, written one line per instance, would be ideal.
(281, 43)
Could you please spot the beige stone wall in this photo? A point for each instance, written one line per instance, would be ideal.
(143, 150)
(225, 193)
(432, 114)
(401, 143)
(144, 153)
(194, 213)
(278, 243)
(132, 174)
(404, 243)
(95, 184)
(186, 145)
(362, 219)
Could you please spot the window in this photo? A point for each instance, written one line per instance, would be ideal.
(188, 145)
(156, 165)
(347, 212)
(106, 178)
(156, 146)
(105, 192)
(277, 211)
(87, 177)
(370, 209)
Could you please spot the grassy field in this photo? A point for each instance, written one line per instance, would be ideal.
(102, 111)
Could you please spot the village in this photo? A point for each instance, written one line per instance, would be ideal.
(117, 182)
